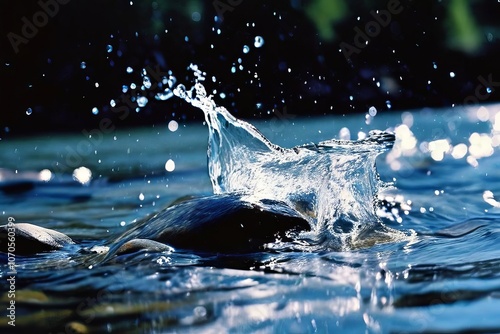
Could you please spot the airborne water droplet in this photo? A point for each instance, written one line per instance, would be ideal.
(258, 42)
(95, 111)
(173, 125)
(109, 48)
(246, 49)
(171, 81)
(142, 101)
(29, 111)
(165, 95)
(130, 69)
(170, 165)
(372, 111)
(146, 82)
(83, 65)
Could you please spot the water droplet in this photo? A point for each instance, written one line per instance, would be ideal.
(83, 65)
(489, 90)
(82, 175)
(130, 69)
(171, 81)
(222, 95)
(165, 95)
(196, 16)
(142, 101)
(173, 125)
(452, 74)
(95, 111)
(434, 65)
(124, 88)
(372, 111)
(133, 86)
(170, 165)
(344, 134)
(233, 69)
(246, 49)
(141, 197)
(45, 175)
(388, 104)
(109, 48)
(146, 82)
(351, 97)
(258, 42)
(29, 111)
(112, 103)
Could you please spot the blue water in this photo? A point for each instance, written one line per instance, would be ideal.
(444, 276)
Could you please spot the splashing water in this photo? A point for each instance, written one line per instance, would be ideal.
(332, 184)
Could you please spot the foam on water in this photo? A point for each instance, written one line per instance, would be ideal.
(333, 184)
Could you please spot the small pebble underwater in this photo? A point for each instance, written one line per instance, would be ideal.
(392, 227)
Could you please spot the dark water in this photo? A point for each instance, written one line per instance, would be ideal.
(441, 275)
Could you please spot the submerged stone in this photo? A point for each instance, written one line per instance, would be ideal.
(219, 223)
(136, 245)
(32, 239)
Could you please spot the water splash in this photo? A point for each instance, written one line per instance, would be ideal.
(333, 184)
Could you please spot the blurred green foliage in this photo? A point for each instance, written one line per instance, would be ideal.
(459, 24)
(324, 14)
(463, 32)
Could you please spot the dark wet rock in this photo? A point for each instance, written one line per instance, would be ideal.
(216, 224)
(220, 224)
(31, 239)
(136, 245)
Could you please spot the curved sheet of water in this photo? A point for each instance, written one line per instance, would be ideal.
(333, 184)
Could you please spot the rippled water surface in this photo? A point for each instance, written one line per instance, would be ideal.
(442, 275)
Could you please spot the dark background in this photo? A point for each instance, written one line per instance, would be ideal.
(45, 89)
